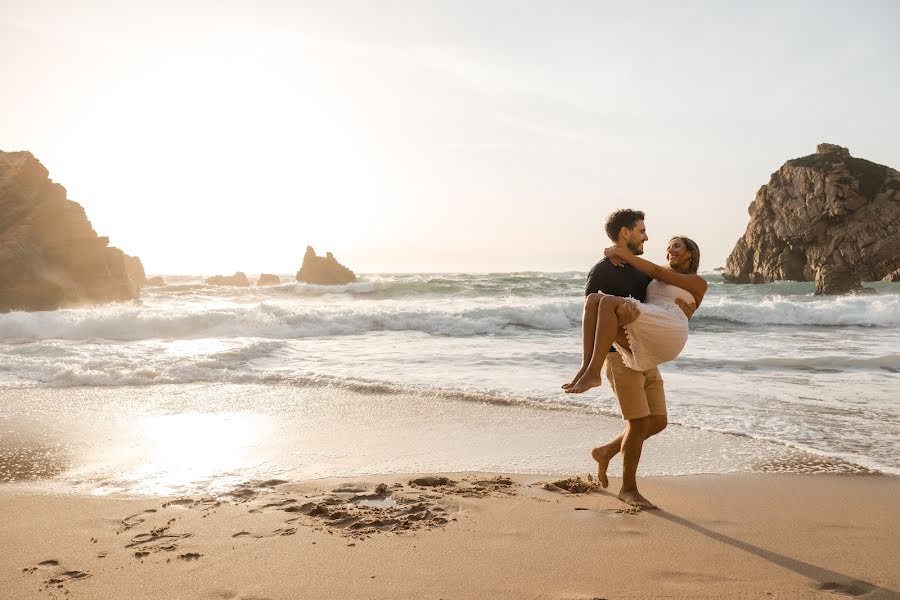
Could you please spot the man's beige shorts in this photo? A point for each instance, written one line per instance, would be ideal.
(640, 393)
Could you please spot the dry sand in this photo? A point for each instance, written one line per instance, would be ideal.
(476, 536)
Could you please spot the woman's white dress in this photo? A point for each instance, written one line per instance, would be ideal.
(658, 335)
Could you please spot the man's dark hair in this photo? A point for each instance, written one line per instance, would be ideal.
(624, 217)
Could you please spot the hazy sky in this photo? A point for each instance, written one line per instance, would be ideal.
(434, 136)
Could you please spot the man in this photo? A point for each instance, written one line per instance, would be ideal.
(641, 396)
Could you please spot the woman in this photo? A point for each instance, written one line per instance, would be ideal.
(660, 331)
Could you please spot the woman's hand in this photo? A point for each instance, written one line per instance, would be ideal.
(615, 255)
(687, 309)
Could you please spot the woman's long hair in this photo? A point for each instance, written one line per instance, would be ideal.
(695, 252)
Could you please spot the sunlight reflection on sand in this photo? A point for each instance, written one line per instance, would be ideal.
(177, 453)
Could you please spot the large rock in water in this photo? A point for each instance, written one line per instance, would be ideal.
(239, 279)
(50, 256)
(827, 217)
(268, 279)
(323, 270)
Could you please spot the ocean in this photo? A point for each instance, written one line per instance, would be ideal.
(770, 362)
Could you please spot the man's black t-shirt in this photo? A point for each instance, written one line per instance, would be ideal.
(617, 281)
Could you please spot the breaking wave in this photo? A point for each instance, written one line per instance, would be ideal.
(866, 311)
(132, 323)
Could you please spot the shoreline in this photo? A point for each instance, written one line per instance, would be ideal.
(201, 438)
(483, 535)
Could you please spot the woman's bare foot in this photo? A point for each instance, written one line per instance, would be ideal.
(584, 383)
(603, 455)
(635, 499)
(578, 375)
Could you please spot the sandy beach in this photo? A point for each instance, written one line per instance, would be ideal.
(253, 492)
(475, 536)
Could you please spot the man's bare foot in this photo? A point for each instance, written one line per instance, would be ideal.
(602, 455)
(575, 379)
(635, 499)
(584, 383)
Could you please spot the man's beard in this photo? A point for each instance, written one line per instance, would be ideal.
(635, 248)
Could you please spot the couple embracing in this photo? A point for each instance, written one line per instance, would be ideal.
(635, 318)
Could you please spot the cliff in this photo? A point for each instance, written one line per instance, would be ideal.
(323, 270)
(50, 256)
(827, 217)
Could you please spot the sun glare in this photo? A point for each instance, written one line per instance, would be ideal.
(213, 147)
(176, 453)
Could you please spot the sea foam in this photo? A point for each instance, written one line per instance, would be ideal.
(133, 323)
(867, 311)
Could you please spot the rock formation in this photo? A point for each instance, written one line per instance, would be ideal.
(827, 217)
(323, 270)
(135, 269)
(839, 279)
(50, 256)
(268, 279)
(239, 279)
(154, 282)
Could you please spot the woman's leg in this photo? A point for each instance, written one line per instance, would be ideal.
(588, 333)
(608, 329)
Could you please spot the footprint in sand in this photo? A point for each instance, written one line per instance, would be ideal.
(252, 489)
(134, 520)
(625, 510)
(274, 505)
(67, 575)
(432, 482)
(157, 539)
(189, 556)
(278, 532)
(179, 502)
(572, 485)
(59, 576)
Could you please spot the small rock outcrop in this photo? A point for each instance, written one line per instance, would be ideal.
(892, 277)
(50, 256)
(839, 279)
(827, 217)
(323, 270)
(154, 282)
(268, 279)
(239, 279)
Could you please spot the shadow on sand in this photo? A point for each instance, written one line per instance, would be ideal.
(826, 580)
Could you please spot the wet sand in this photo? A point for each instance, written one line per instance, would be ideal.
(469, 536)
(207, 438)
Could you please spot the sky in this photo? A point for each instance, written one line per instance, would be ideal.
(216, 136)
